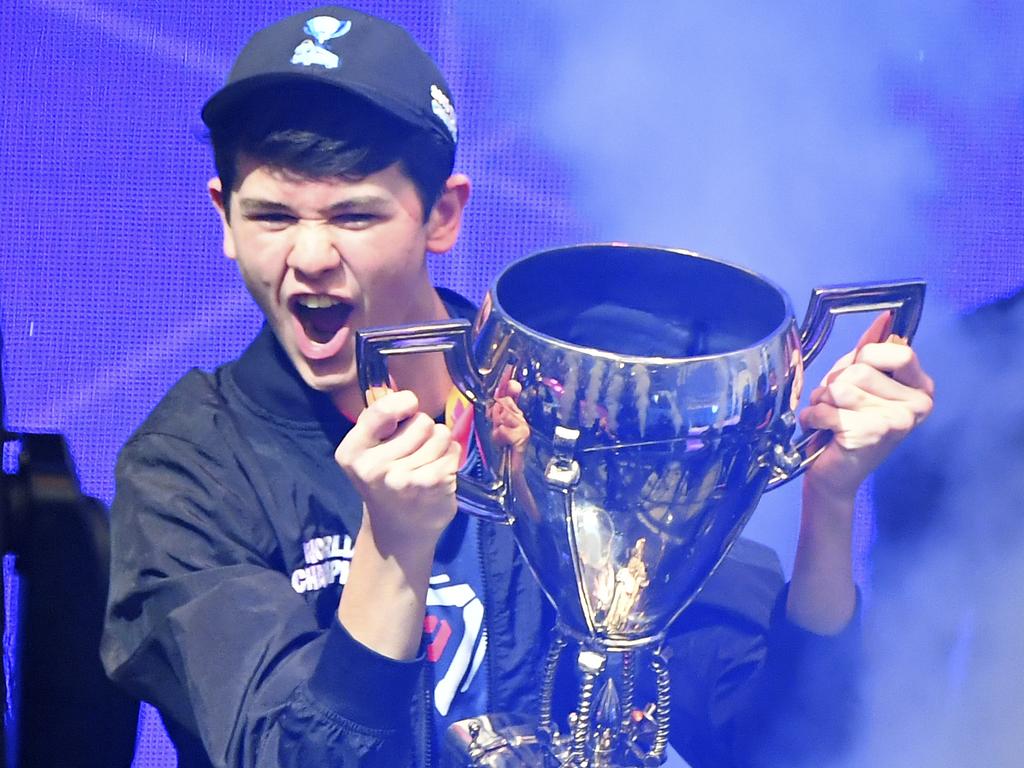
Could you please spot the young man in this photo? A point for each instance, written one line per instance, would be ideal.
(279, 549)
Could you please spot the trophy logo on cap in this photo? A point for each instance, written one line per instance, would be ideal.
(315, 51)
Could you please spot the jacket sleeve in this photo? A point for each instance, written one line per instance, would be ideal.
(203, 623)
(756, 690)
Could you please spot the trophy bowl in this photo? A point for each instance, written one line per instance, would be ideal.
(657, 402)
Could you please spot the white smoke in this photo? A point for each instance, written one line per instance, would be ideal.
(946, 627)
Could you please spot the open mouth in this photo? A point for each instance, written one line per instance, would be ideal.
(321, 317)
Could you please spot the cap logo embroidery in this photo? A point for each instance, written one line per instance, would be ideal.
(442, 107)
(315, 51)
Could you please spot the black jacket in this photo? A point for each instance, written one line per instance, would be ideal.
(216, 493)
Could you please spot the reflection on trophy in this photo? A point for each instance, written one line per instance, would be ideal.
(655, 402)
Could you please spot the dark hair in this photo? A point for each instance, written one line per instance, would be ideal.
(318, 132)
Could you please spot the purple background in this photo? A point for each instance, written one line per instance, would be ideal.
(816, 143)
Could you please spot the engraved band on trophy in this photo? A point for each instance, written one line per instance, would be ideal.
(658, 402)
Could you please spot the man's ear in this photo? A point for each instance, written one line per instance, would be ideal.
(216, 190)
(445, 220)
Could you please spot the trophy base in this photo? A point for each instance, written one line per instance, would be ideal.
(497, 741)
(606, 730)
(502, 741)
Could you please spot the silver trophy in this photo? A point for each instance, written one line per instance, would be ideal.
(658, 398)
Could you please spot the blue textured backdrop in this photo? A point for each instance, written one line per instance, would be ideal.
(814, 142)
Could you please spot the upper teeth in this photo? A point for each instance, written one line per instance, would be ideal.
(318, 302)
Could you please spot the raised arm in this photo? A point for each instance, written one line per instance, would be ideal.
(404, 466)
(870, 400)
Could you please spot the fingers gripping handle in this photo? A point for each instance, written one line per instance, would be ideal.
(905, 299)
(373, 348)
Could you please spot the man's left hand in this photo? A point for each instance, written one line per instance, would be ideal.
(870, 400)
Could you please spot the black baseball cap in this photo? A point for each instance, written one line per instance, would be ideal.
(349, 50)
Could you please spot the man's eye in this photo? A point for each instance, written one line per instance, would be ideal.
(355, 220)
(272, 218)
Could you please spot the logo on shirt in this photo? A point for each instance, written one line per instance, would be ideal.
(456, 639)
(327, 562)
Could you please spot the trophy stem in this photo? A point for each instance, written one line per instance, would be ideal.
(591, 664)
(628, 686)
(548, 691)
(657, 754)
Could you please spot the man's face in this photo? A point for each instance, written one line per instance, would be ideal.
(324, 258)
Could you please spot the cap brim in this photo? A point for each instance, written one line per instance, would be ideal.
(224, 104)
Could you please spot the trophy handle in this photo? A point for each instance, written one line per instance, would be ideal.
(905, 299)
(481, 498)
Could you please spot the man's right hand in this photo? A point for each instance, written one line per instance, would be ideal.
(404, 466)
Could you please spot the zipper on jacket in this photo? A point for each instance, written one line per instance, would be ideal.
(484, 587)
(428, 717)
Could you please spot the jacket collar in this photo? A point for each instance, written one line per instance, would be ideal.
(267, 378)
